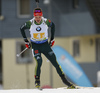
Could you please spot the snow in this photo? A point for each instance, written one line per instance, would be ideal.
(58, 90)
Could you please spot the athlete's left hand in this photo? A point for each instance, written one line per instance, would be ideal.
(52, 42)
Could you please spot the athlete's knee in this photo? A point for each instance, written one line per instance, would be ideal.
(52, 57)
(39, 63)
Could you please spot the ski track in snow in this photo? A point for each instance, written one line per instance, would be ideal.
(58, 90)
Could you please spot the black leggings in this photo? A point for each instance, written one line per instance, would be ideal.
(48, 52)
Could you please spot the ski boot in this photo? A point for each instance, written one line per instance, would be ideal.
(71, 87)
(37, 82)
(66, 82)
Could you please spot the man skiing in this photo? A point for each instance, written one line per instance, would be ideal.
(38, 27)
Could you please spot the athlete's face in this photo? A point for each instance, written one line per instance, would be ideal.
(38, 19)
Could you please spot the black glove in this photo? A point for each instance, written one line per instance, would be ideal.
(27, 43)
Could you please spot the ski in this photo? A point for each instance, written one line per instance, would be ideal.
(39, 88)
(77, 87)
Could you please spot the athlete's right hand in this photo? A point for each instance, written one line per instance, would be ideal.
(27, 43)
(52, 42)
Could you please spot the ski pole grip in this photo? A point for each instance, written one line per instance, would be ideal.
(37, 1)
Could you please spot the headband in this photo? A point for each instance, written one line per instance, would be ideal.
(38, 13)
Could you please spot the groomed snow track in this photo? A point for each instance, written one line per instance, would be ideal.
(58, 90)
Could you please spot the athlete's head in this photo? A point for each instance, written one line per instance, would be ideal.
(38, 14)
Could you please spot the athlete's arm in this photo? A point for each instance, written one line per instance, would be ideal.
(52, 30)
(52, 25)
(24, 27)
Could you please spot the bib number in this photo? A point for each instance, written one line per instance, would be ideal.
(39, 35)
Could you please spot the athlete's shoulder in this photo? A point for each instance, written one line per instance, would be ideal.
(47, 21)
(32, 20)
(29, 23)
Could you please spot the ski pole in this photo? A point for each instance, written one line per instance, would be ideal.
(37, 3)
(21, 52)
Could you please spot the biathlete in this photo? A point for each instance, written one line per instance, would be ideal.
(38, 27)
